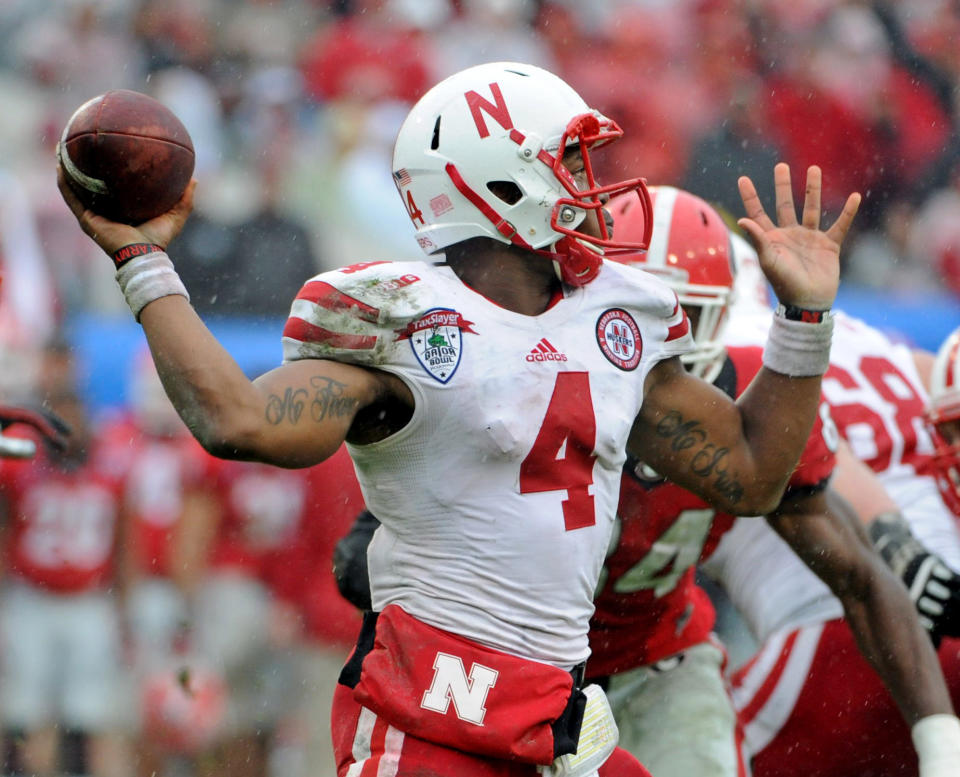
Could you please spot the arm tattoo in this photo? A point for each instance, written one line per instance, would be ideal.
(709, 459)
(288, 407)
(328, 402)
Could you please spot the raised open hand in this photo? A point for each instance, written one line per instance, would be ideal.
(801, 261)
(112, 235)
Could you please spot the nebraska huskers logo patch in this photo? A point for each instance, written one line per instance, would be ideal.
(436, 341)
(619, 338)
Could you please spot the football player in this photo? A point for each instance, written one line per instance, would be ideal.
(244, 627)
(651, 635)
(487, 402)
(650, 619)
(59, 631)
(943, 412)
(168, 511)
(798, 717)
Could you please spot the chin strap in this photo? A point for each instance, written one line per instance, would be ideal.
(575, 261)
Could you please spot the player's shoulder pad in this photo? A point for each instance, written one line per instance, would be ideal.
(646, 291)
(352, 314)
(653, 301)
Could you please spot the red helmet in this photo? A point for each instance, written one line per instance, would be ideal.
(690, 251)
(183, 708)
(943, 412)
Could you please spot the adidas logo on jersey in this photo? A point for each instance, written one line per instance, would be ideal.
(544, 352)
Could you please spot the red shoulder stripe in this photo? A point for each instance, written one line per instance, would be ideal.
(676, 307)
(679, 330)
(298, 329)
(330, 298)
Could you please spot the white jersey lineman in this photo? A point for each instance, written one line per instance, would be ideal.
(877, 400)
(497, 499)
(787, 695)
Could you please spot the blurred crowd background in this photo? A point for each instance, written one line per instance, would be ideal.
(293, 106)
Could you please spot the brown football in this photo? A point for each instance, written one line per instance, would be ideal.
(126, 156)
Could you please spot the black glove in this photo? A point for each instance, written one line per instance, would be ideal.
(50, 426)
(934, 588)
(350, 561)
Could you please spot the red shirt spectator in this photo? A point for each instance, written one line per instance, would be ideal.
(367, 60)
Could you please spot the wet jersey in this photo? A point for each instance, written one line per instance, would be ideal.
(498, 498)
(877, 400)
(767, 582)
(649, 606)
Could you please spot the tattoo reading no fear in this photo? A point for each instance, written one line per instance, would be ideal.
(327, 402)
(709, 461)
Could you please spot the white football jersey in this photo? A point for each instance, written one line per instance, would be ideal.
(497, 499)
(767, 582)
(877, 402)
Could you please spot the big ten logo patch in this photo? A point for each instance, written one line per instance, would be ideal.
(437, 342)
(451, 683)
(619, 338)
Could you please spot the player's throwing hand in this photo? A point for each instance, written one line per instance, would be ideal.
(111, 236)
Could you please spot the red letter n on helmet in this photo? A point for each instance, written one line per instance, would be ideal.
(497, 110)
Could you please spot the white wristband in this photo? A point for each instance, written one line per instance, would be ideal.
(936, 739)
(799, 348)
(147, 278)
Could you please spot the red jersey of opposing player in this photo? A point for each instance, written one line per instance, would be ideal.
(648, 605)
(333, 502)
(62, 523)
(263, 511)
(157, 471)
(280, 526)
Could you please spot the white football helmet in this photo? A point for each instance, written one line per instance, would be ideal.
(944, 413)
(481, 155)
(690, 251)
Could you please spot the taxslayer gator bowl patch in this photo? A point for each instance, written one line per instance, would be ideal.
(436, 339)
(619, 338)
